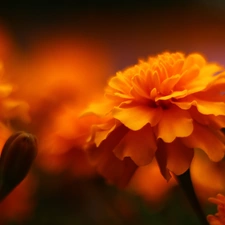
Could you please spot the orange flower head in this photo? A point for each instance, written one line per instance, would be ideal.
(61, 144)
(219, 217)
(163, 107)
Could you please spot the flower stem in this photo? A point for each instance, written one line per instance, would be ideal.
(185, 183)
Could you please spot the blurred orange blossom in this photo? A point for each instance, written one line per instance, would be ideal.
(58, 70)
(219, 217)
(58, 77)
(62, 143)
(60, 65)
(164, 108)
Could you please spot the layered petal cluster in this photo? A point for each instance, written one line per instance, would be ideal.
(219, 217)
(163, 107)
(61, 144)
(54, 79)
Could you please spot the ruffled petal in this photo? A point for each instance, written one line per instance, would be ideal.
(205, 79)
(120, 83)
(139, 145)
(99, 109)
(187, 77)
(177, 158)
(139, 86)
(193, 59)
(215, 122)
(174, 123)
(211, 143)
(110, 143)
(102, 131)
(175, 94)
(215, 90)
(136, 117)
(113, 169)
(108, 165)
(204, 107)
(168, 84)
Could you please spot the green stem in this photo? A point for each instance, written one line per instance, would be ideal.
(185, 183)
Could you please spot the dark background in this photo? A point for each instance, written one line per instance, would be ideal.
(130, 29)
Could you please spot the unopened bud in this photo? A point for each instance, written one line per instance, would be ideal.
(17, 156)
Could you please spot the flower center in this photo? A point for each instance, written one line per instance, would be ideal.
(164, 104)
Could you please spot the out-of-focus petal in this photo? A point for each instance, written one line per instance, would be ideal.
(177, 157)
(206, 140)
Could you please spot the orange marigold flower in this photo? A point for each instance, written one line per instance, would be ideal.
(61, 143)
(163, 107)
(219, 217)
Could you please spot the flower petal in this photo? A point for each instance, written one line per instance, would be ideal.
(109, 143)
(99, 109)
(202, 137)
(139, 145)
(177, 157)
(214, 91)
(193, 59)
(102, 131)
(215, 122)
(204, 107)
(108, 165)
(113, 169)
(168, 84)
(188, 76)
(204, 80)
(174, 123)
(136, 117)
(139, 85)
(175, 94)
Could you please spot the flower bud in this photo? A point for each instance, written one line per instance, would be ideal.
(17, 156)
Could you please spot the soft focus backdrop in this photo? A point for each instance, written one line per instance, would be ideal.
(60, 55)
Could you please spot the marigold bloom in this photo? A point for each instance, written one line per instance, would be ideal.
(219, 217)
(61, 143)
(163, 107)
(55, 80)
